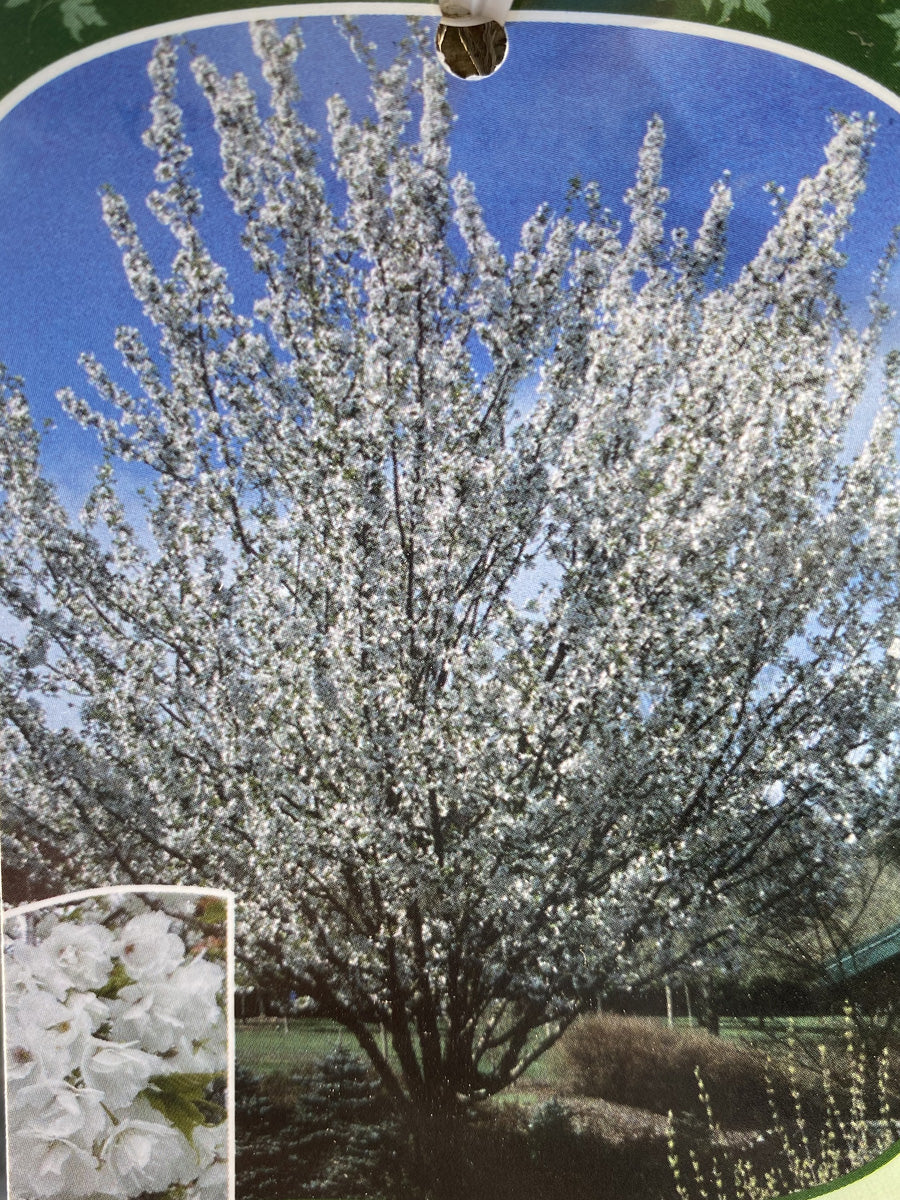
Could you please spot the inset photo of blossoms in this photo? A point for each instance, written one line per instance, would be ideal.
(117, 1046)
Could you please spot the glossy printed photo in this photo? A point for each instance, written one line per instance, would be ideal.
(460, 519)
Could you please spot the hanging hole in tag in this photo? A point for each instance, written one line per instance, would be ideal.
(471, 51)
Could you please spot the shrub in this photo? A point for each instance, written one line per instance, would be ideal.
(645, 1064)
(551, 1133)
(793, 1154)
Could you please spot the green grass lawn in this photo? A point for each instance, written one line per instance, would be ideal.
(269, 1048)
(809, 1031)
(285, 1047)
(807, 1027)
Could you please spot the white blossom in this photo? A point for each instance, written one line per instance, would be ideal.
(147, 947)
(43, 1165)
(145, 1156)
(117, 1070)
(74, 956)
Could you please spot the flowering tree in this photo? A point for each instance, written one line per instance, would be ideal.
(449, 812)
(116, 1045)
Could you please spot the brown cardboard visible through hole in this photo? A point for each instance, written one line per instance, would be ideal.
(472, 51)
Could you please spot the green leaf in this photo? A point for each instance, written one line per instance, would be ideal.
(188, 1083)
(212, 911)
(760, 9)
(181, 1099)
(178, 1111)
(77, 15)
(118, 978)
(892, 19)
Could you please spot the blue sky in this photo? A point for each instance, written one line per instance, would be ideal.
(571, 99)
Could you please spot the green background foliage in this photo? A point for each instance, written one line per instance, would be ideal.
(863, 34)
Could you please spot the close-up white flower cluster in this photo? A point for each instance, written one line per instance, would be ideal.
(117, 1048)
